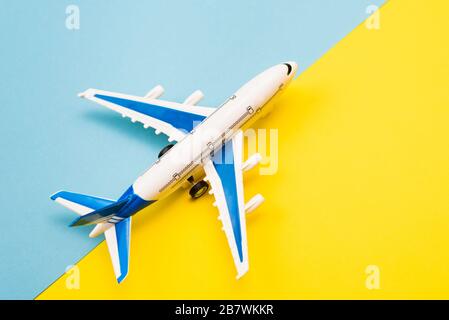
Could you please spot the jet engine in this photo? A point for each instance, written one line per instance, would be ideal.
(194, 98)
(254, 203)
(251, 162)
(155, 93)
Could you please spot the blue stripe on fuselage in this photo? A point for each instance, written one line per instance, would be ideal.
(134, 204)
(177, 118)
(226, 172)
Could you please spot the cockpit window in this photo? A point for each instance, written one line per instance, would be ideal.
(289, 68)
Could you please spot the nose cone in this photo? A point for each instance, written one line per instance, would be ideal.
(292, 67)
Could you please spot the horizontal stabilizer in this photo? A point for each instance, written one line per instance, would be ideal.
(80, 203)
(97, 210)
(100, 215)
(118, 239)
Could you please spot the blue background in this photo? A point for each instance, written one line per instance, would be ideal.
(52, 140)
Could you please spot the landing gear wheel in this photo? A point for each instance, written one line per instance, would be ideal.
(164, 150)
(199, 189)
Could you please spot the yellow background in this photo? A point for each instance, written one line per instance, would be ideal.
(363, 180)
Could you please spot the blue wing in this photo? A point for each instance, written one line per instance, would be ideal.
(173, 119)
(224, 172)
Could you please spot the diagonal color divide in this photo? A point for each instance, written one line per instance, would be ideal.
(363, 180)
(47, 132)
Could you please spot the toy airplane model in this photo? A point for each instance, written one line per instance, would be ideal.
(209, 145)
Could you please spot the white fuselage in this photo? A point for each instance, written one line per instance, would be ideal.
(180, 162)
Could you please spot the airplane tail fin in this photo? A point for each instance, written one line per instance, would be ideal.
(91, 209)
(95, 210)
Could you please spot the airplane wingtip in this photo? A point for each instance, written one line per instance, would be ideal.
(84, 94)
(121, 278)
(241, 272)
